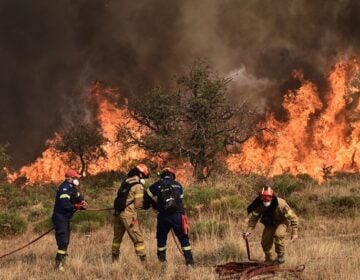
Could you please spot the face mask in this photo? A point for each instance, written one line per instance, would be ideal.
(266, 203)
(75, 182)
(142, 181)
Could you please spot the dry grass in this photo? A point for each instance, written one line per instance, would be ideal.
(328, 244)
(325, 250)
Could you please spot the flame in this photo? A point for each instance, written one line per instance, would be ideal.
(319, 138)
(51, 166)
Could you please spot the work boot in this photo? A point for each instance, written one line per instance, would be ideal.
(59, 262)
(280, 259)
(269, 258)
(143, 259)
(161, 256)
(189, 261)
(115, 257)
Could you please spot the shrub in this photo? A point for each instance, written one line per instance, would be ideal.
(43, 225)
(344, 206)
(286, 184)
(11, 224)
(84, 221)
(233, 206)
(36, 214)
(103, 180)
(210, 227)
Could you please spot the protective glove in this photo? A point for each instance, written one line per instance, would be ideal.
(82, 205)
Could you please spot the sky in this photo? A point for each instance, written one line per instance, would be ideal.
(50, 51)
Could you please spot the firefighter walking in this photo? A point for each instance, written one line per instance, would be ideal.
(67, 201)
(275, 214)
(166, 197)
(129, 199)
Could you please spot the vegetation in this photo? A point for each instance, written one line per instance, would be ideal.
(83, 142)
(194, 121)
(4, 159)
(329, 226)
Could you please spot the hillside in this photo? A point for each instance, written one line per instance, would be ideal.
(329, 230)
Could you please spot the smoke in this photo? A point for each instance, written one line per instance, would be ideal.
(51, 51)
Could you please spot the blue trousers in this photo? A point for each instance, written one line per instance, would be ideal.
(166, 222)
(62, 230)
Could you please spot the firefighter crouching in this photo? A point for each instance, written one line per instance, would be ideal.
(129, 199)
(276, 215)
(67, 201)
(166, 197)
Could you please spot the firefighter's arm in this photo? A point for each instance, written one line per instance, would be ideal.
(293, 220)
(65, 201)
(138, 196)
(253, 219)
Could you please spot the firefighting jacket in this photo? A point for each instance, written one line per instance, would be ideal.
(151, 195)
(277, 213)
(135, 197)
(66, 197)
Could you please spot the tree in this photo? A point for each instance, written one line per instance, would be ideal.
(84, 142)
(195, 121)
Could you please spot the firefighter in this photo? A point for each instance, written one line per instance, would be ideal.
(276, 215)
(125, 219)
(166, 196)
(67, 201)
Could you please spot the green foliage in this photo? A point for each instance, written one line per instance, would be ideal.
(197, 197)
(209, 227)
(102, 180)
(195, 121)
(286, 184)
(43, 225)
(233, 206)
(4, 159)
(36, 214)
(342, 206)
(86, 221)
(11, 224)
(84, 142)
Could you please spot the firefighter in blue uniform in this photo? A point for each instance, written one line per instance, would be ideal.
(168, 219)
(67, 201)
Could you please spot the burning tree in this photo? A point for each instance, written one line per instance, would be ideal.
(195, 121)
(84, 142)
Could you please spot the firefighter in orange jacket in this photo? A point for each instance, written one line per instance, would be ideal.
(125, 219)
(276, 215)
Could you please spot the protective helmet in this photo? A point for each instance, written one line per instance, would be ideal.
(143, 169)
(71, 173)
(266, 194)
(166, 171)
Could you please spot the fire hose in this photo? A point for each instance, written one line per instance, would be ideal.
(253, 268)
(47, 232)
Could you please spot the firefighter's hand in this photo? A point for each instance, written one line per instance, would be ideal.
(246, 234)
(81, 205)
(294, 237)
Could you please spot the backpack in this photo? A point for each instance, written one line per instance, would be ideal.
(168, 198)
(122, 194)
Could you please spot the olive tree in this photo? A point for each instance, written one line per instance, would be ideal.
(83, 142)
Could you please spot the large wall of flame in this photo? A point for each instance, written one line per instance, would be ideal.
(319, 137)
(51, 50)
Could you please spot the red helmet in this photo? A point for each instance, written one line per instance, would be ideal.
(168, 170)
(143, 169)
(71, 173)
(266, 194)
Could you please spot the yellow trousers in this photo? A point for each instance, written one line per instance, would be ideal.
(131, 226)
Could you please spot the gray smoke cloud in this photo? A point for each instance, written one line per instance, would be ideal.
(51, 50)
